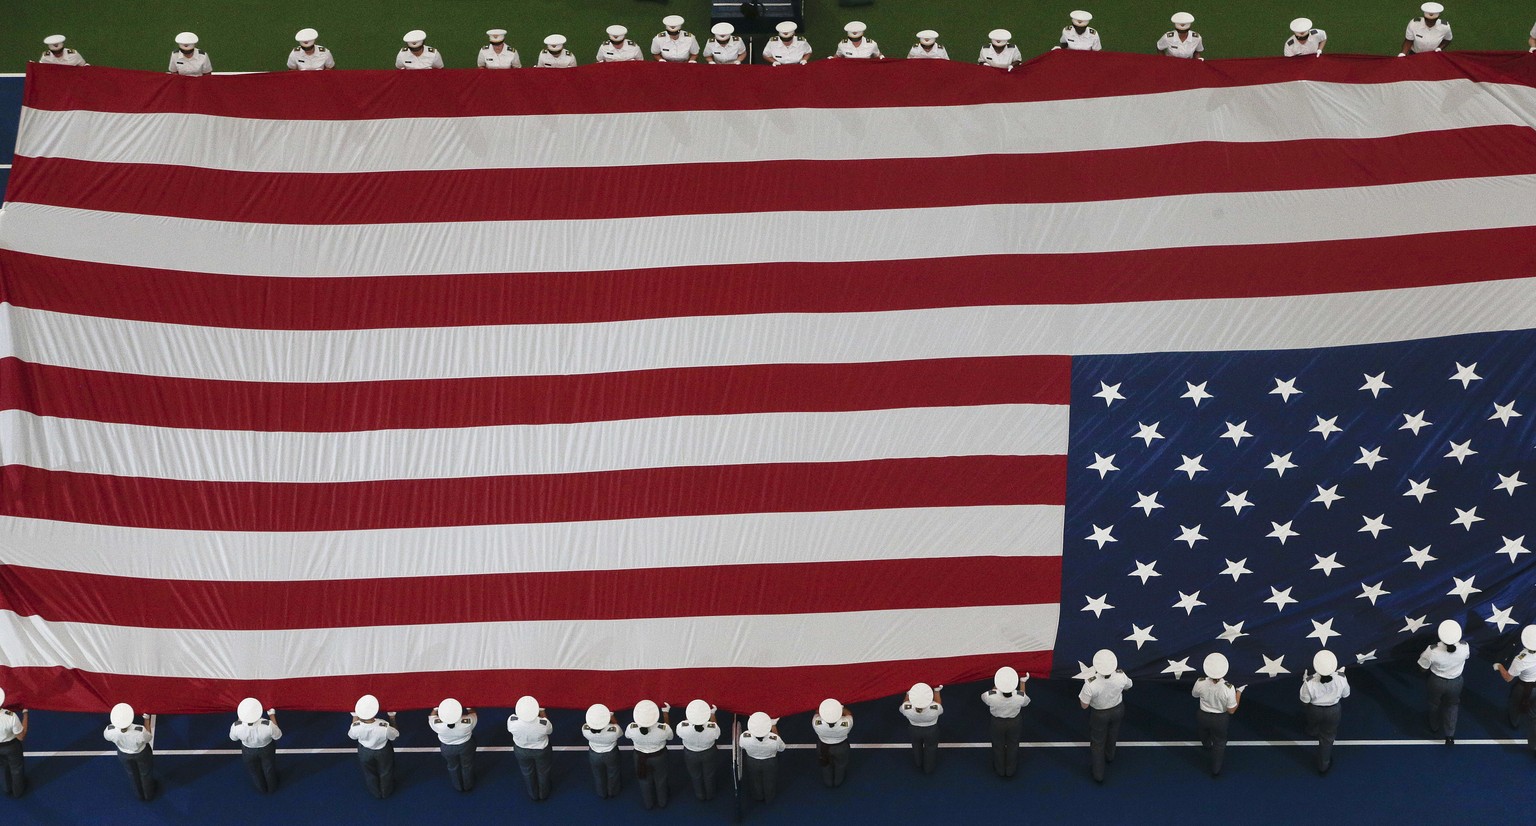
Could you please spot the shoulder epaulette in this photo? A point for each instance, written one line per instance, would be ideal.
(298, 48)
(736, 38)
(319, 48)
(1174, 33)
(405, 48)
(1090, 29)
(431, 49)
(687, 34)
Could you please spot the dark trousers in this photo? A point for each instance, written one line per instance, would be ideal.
(702, 771)
(534, 764)
(141, 771)
(1213, 735)
(1519, 702)
(378, 769)
(605, 771)
(1103, 730)
(1323, 724)
(925, 747)
(1444, 704)
(261, 765)
(12, 768)
(834, 762)
(762, 776)
(1006, 732)
(651, 776)
(461, 764)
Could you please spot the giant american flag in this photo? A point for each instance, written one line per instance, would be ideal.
(758, 384)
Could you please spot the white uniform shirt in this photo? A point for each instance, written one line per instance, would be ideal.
(1523, 667)
(429, 58)
(1312, 45)
(10, 725)
(778, 52)
(1104, 692)
(1315, 692)
(922, 717)
(549, 60)
(611, 52)
(454, 732)
(1005, 707)
(302, 61)
(65, 57)
(675, 49)
(731, 51)
(1170, 44)
(505, 59)
(695, 740)
(1088, 41)
(603, 740)
(1427, 38)
(865, 49)
(1001, 59)
(195, 66)
(936, 52)
(374, 734)
(255, 735)
(131, 741)
(832, 733)
(763, 749)
(533, 734)
(650, 741)
(1443, 663)
(1215, 696)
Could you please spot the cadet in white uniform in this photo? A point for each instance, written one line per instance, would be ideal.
(1079, 36)
(927, 47)
(650, 732)
(673, 45)
(832, 724)
(188, 60)
(1305, 40)
(309, 56)
(618, 48)
(1428, 33)
(57, 54)
(1322, 693)
(760, 746)
(1521, 674)
(1103, 695)
(602, 734)
(133, 748)
(725, 47)
(13, 731)
(497, 54)
(922, 707)
(856, 45)
(788, 47)
(555, 55)
(1000, 53)
(416, 54)
(1006, 702)
(1218, 702)
(699, 733)
(530, 742)
(1445, 661)
(258, 738)
(375, 745)
(1181, 42)
(454, 726)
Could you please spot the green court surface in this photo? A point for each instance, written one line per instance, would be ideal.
(365, 34)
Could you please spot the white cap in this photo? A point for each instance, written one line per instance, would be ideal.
(697, 713)
(53, 40)
(723, 29)
(672, 21)
(927, 34)
(1301, 25)
(122, 715)
(598, 716)
(759, 724)
(415, 37)
(1006, 679)
(646, 713)
(496, 34)
(830, 710)
(249, 710)
(1324, 662)
(921, 695)
(1432, 8)
(1105, 662)
(1449, 632)
(1081, 17)
(1527, 639)
(306, 35)
(367, 707)
(2, 697)
(785, 27)
(555, 40)
(186, 39)
(450, 710)
(617, 31)
(999, 35)
(854, 27)
(527, 709)
(1216, 665)
(1182, 19)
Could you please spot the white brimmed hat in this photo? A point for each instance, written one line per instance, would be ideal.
(830, 710)
(1432, 8)
(306, 35)
(1449, 632)
(496, 34)
(1216, 665)
(697, 712)
(921, 695)
(1301, 25)
(1325, 663)
(1183, 18)
(367, 707)
(527, 709)
(786, 27)
(1527, 639)
(647, 713)
(1081, 17)
(555, 40)
(1006, 679)
(672, 22)
(999, 35)
(186, 39)
(249, 710)
(1105, 662)
(122, 715)
(450, 710)
(53, 40)
(616, 32)
(927, 34)
(722, 29)
(598, 716)
(854, 27)
(759, 724)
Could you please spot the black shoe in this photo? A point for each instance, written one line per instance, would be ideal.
(1324, 770)
(1450, 741)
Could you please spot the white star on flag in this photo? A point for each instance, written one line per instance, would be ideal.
(1463, 588)
(1327, 564)
(1362, 659)
(1178, 667)
(1282, 532)
(1513, 547)
(1414, 624)
(1375, 526)
(1327, 496)
(1110, 393)
(1375, 384)
(1465, 518)
(1509, 483)
(1103, 464)
(1501, 616)
(1084, 671)
(1273, 666)
(1147, 432)
(1145, 570)
(1189, 602)
(1466, 375)
(1285, 389)
(1326, 427)
(1147, 502)
(1369, 458)
(1102, 535)
(1371, 592)
(1235, 569)
(1230, 633)
(1140, 635)
(1279, 598)
(1322, 631)
(1504, 412)
(1189, 535)
(1280, 464)
(1419, 556)
(1461, 451)
(1237, 501)
(1415, 422)
(1191, 465)
(1419, 490)
(1098, 605)
(1196, 392)
(1237, 433)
